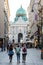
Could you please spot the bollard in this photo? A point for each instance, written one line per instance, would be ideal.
(41, 53)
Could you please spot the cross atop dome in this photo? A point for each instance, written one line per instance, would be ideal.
(21, 6)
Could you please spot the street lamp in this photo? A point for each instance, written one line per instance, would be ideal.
(41, 29)
(41, 24)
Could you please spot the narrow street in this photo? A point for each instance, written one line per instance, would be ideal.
(33, 58)
(21, 25)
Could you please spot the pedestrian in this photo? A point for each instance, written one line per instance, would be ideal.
(10, 52)
(7, 47)
(17, 50)
(24, 53)
(36, 43)
(2, 47)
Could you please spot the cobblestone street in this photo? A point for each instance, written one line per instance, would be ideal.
(33, 58)
(21, 31)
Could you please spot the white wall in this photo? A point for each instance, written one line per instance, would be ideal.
(19, 26)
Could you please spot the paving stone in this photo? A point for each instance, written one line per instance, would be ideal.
(33, 58)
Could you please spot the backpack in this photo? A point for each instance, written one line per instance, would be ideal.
(24, 49)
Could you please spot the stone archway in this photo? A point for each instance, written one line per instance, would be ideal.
(20, 36)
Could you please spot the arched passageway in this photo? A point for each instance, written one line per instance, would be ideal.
(20, 36)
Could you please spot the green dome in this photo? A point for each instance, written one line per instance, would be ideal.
(21, 12)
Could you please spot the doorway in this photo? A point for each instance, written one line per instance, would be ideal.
(20, 36)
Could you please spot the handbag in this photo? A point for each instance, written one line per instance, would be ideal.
(11, 53)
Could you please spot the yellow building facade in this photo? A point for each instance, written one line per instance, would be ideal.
(6, 5)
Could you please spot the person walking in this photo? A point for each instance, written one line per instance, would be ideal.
(17, 50)
(7, 47)
(24, 53)
(10, 52)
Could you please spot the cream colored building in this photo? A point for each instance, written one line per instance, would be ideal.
(3, 21)
(7, 13)
(6, 5)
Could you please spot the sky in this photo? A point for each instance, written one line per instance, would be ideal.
(16, 4)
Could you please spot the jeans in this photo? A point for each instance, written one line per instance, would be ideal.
(18, 57)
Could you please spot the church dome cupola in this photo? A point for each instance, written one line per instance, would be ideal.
(21, 12)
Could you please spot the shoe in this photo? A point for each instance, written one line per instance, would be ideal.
(10, 60)
(23, 61)
(19, 61)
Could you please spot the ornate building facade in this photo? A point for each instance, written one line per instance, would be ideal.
(18, 29)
